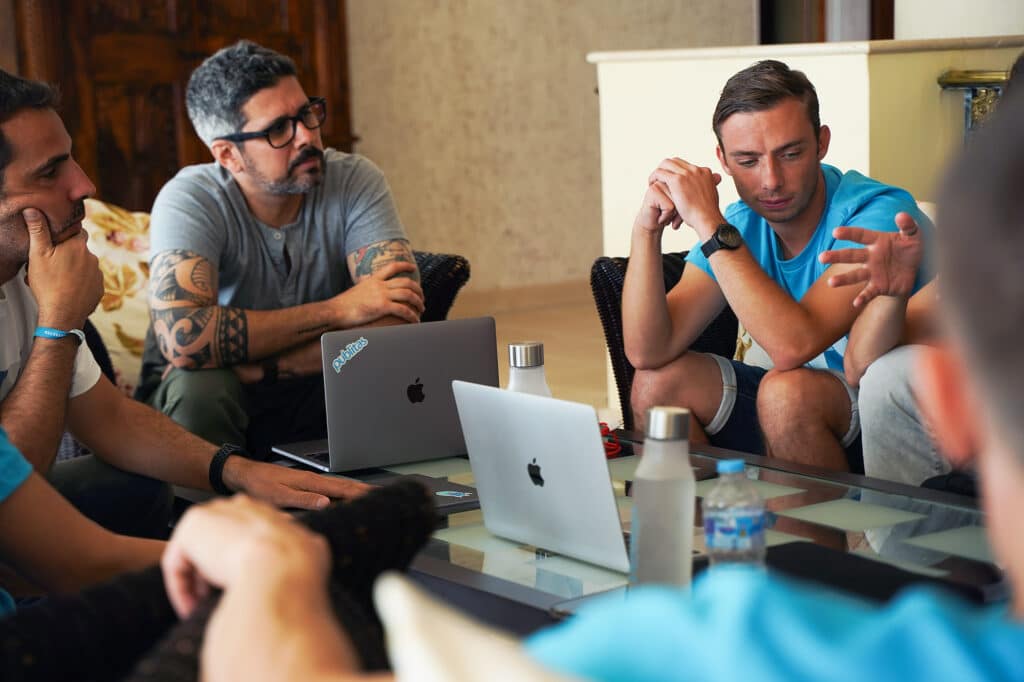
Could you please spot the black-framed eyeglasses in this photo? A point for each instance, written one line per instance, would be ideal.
(282, 131)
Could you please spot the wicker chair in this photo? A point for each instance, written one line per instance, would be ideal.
(442, 276)
(606, 278)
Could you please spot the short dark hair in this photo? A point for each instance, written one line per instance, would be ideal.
(762, 86)
(981, 238)
(16, 94)
(222, 84)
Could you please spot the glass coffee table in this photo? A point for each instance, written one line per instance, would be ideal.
(926, 534)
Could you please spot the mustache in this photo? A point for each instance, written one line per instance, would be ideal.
(76, 215)
(304, 156)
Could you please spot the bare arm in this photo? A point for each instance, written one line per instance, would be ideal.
(49, 542)
(370, 266)
(887, 322)
(66, 282)
(657, 328)
(194, 332)
(887, 271)
(135, 437)
(33, 412)
(791, 332)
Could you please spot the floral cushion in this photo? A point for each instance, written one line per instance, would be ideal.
(120, 240)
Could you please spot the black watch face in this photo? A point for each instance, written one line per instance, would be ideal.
(729, 236)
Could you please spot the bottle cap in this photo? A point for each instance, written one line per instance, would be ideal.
(668, 423)
(731, 466)
(526, 354)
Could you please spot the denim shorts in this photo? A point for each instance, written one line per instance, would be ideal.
(735, 425)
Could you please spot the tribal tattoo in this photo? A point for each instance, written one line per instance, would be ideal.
(372, 258)
(192, 331)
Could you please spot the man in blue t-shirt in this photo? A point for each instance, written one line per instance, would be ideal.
(761, 259)
(737, 623)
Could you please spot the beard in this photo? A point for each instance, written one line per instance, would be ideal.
(290, 184)
(77, 213)
(14, 241)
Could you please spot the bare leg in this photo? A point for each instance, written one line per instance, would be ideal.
(693, 381)
(804, 414)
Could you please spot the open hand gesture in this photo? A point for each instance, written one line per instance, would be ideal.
(889, 260)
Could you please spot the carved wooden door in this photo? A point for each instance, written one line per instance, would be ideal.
(122, 66)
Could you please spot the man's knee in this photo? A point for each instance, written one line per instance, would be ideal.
(208, 402)
(692, 381)
(650, 387)
(794, 396)
(780, 397)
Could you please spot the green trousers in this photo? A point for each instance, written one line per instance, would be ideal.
(216, 406)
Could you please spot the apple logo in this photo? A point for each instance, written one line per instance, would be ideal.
(534, 470)
(415, 392)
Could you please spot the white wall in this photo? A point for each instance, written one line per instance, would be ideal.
(919, 19)
(483, 116)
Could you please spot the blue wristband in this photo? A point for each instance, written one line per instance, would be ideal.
(51, 333)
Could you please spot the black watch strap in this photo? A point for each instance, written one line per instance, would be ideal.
(732, 240)
(217, 467)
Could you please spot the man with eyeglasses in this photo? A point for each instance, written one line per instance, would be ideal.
(50, 383)
(256, 255)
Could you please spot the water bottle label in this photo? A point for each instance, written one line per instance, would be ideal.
(733, 531)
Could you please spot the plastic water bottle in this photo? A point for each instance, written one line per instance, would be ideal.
(664, 492)
(526, 368)
(734, 518)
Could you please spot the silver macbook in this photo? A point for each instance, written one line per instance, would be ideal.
(388, 393)
(541, 473)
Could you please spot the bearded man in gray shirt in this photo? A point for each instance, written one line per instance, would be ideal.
(256, 255)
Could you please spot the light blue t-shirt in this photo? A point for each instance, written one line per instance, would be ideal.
(850, 199)
(745, 624)
(14, 469)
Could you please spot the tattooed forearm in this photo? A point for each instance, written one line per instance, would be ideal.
(192, 331)
(232, 336)
(372, 258)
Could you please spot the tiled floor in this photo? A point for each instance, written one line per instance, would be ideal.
(564, 318)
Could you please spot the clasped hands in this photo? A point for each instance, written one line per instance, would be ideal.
(680, 192)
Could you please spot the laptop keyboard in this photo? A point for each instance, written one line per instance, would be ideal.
(319, 457)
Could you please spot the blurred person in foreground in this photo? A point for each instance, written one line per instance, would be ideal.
(737, 623)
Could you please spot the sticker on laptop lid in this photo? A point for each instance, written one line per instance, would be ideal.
(453, 493)
(349, 352)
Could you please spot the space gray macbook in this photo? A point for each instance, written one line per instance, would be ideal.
(541, 473)
(388, 393)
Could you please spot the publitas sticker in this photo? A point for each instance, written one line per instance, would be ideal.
(349, 352)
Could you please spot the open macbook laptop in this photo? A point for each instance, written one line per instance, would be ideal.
(541, 473)
(388, 393)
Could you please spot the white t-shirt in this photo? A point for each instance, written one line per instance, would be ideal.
(18, 318)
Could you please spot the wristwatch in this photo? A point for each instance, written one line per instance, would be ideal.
(216, 473)
(725, 236)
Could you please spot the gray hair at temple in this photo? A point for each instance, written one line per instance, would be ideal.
(17, 94)
(981, 240)
(225, 81)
